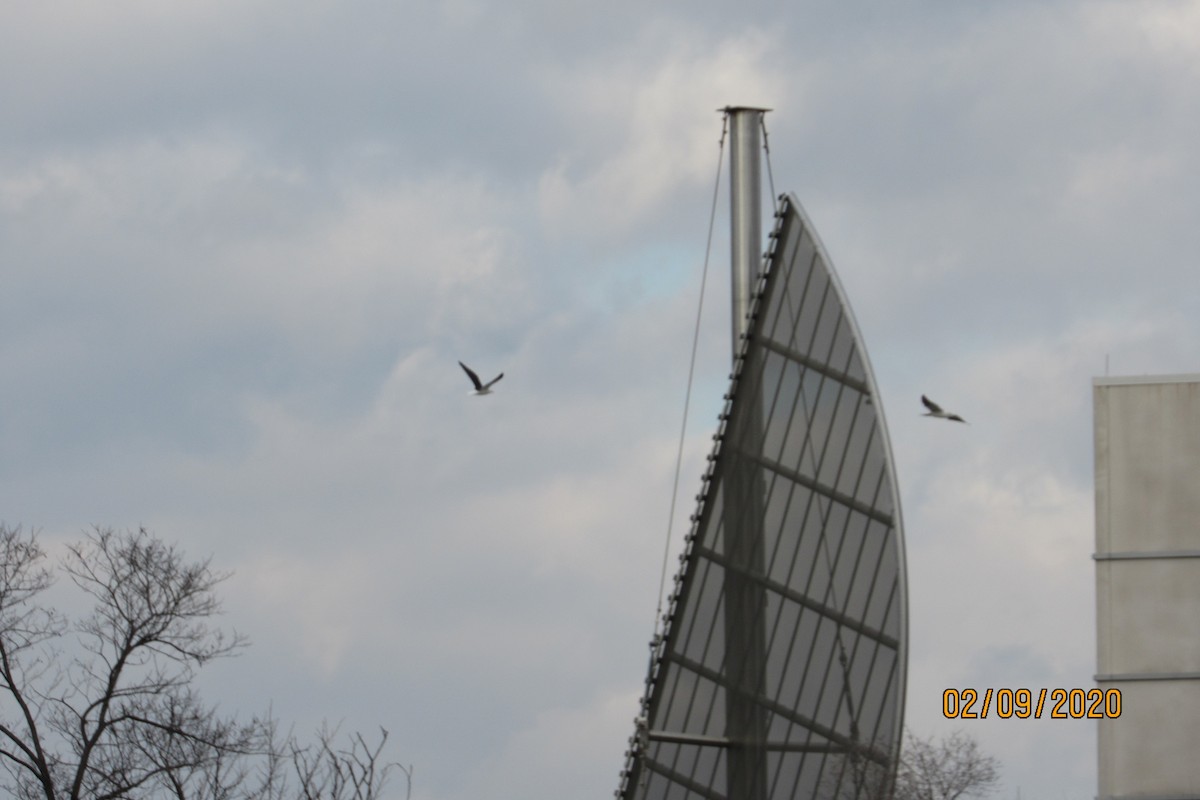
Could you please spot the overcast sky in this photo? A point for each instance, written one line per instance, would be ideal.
(243, 244)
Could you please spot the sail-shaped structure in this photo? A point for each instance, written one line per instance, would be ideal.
(780, 671)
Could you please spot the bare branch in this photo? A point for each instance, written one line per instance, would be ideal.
(946, 770)
(116, 717)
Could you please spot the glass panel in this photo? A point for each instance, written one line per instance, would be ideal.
(783, 616)
(785, 254)
(874, 538)
(872, 489)
(821, 417)
(855, 367)
(704, 640)
(814, 577)
(677, 683)
(823, 694)
(779, 417)
(815, 780)
(833, 556)
(704, 693)
(862, 661)
(843, 347)
(881, 598)
(857, 448)
(666, 754)
(842, 404)
(784, 771)
(810, 305)
(826, 329)
(798, 450)
(853, 533)
(875, 693)
(781, 562)
(891, 625)
(793, 292)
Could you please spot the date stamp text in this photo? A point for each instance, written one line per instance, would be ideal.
(1026, 703)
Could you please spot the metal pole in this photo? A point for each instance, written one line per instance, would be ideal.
(742, 485)
(745, 171)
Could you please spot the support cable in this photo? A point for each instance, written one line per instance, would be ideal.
(662, 584)
(775, 200)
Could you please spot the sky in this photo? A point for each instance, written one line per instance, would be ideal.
(243, 244)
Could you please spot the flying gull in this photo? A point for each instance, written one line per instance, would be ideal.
(936, 411)
(480, 388)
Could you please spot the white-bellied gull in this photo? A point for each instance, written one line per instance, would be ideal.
(480, 387)
(936, 411)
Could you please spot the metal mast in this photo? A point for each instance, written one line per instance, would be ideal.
(745, 171)
(745, 634)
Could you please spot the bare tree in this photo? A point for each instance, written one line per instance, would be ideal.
(102, 707)
(350, 773)
(945, 770)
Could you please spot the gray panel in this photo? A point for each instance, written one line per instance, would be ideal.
(782, 667)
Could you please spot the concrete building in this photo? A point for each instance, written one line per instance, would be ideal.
(1147, 439)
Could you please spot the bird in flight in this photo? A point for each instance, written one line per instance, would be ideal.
(480, 387)
(936, 411)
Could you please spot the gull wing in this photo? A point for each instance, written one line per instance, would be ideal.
(492, 382)
(932, 406)
(479, 387)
